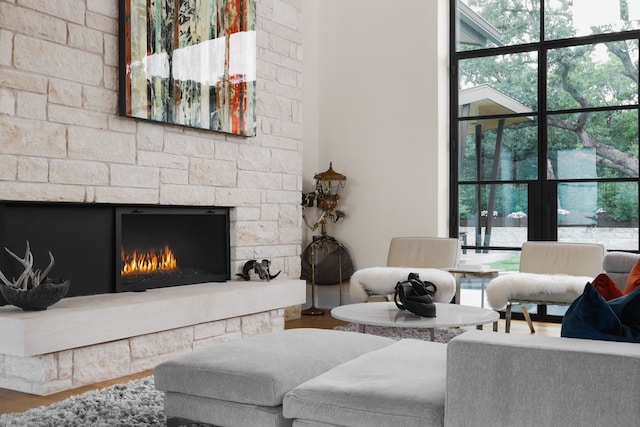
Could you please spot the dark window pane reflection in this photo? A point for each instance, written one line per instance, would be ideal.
(498, 149)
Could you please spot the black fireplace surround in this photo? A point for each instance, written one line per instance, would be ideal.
(92, 242)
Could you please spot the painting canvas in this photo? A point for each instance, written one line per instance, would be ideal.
(190, 63)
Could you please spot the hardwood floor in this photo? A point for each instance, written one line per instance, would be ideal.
(13, 401)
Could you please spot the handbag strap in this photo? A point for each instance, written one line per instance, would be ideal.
(430, 287)
(422, 287)
(402, 288)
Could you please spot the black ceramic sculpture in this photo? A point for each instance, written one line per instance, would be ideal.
(32, 290)
(38, 298)
(261, 269)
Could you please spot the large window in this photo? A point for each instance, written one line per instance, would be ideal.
(544, 119)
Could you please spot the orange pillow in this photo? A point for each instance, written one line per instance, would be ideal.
(633, 280)
(606, 287)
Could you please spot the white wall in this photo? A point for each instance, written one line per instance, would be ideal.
(376, 104)
(310, 93)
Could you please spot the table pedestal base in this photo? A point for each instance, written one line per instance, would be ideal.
(313, 311)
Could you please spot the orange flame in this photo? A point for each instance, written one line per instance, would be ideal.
(148, 262)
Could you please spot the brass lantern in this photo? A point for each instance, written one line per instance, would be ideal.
(328, 186)
(325, 197)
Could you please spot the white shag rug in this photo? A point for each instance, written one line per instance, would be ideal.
(133, 404)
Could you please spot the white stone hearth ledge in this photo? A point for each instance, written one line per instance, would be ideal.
(82, 321)
(85, 340)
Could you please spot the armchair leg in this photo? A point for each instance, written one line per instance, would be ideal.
(507, 318)
(527, 318)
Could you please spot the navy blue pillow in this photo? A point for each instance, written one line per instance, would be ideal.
(627, 307)
(591, 317)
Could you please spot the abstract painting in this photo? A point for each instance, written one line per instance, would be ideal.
(190, 63)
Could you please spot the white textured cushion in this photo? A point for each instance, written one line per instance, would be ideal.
(560, 288)
(400, 385)
(383, 280)
(260, 370)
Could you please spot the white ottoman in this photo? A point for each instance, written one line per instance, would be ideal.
(242, 383)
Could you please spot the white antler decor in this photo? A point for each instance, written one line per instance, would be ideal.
(29, 278)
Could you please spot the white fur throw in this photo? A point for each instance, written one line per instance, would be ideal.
(535, 287)
(383, 280)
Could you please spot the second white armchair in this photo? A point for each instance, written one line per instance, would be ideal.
(427, 256)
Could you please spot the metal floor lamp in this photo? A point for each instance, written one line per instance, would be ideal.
(325, 197)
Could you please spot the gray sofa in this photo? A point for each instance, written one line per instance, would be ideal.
(530, 380)
(491, 380)
(320, 378)
(480, 378)
(617, 265)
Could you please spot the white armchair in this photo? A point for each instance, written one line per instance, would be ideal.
(553, 273)
(426, 256)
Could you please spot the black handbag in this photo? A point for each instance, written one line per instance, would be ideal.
(415, 295)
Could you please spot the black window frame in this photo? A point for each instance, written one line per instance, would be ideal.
(543, 224)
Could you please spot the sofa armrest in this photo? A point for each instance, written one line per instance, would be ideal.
(617, 265)
(511, 379)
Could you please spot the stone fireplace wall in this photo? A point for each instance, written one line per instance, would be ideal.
(61, 138)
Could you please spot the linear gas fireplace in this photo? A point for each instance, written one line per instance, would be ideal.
(158, 247)
(114, 248)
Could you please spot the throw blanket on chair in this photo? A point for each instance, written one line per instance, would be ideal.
(559, 288)
(382, 281)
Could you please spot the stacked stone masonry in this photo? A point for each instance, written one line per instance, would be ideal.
(50, 373)
(88, 339)
(62, 139)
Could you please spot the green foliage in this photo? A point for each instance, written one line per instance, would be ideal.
(510, 264)
(581, 76)
(626, 203)
(593, 75)
(619, 199)
(465, 211)
(606, 196)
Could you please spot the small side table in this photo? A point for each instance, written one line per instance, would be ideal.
(461, 271)
(388, 315)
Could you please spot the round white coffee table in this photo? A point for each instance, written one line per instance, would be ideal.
(387, 314)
